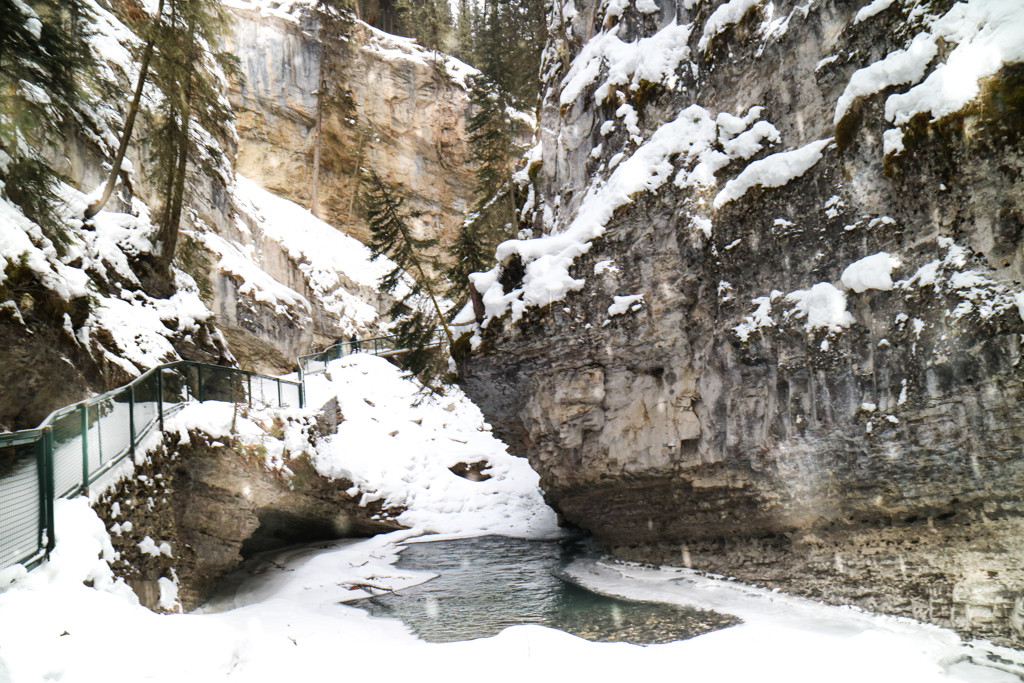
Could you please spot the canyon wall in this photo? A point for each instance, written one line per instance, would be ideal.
(771, 324)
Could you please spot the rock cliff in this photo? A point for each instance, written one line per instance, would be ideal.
(205, 504)
(772, 325)
(407, 117)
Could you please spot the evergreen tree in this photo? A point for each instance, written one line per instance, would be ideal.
(186, 70)
(508, 40)
(494, 136)
(44, 53)
(391, 235)
(428, 21)
(464, 32)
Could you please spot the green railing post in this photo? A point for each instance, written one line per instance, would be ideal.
(199, 382)
(131, 420)
(51, 485)
(302, 395)
(160, 397)
(280, 400)
(40, 451)
(83, 409)
(248, 381)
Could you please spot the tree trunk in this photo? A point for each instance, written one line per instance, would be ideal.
(169, 231)
(129, 124)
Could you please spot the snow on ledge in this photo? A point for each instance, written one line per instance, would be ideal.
(774, 170)
(823, 305)
(871, 272)
(622, 304)
(722, 18)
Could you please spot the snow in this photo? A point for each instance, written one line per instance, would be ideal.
(332, 263)
(978, 293)
(397, 48)
(774, 170)
(292, 623)
(723, 17)
(654, 59)
(871, 272)
(901, 66)
(785, 638)
(871, 9)
(395, 439)
(256, 282)
(1020, 304)
(149, 547)
(823, 306)
(691, 140)
(985, 35)
(761, 317)
(622, 304)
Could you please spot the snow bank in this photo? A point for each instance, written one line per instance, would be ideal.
(331, 262)
(785, 638)
(397, 444)
(290, 623)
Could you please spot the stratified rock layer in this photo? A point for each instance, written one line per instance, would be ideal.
(876, 458)
(216, 502)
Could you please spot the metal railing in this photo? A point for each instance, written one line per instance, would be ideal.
(313, 363)
(78, 444)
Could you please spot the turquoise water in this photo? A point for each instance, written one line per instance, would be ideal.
(489, 583)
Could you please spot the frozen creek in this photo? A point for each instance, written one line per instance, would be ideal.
(487, 584)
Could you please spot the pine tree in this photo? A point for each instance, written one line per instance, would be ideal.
(494, 136)
(391, 235)
(186, 71)
(428, 21)
(44, 54)
(464, 32)
(509, 38)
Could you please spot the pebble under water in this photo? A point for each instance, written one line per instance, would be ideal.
(487, 584)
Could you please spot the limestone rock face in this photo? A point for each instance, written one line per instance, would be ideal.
(768, 410)
(408, 122)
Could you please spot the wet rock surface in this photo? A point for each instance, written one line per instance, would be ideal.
(878, 462)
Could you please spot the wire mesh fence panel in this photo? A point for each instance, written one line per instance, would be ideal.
(93, 437)
(67, 453)
(147, 410)
(20, 515)
(264, 392)
(174, 383)
(289, 395)
(223, 384)
(192, 378)
(115, 437)
(314, 365)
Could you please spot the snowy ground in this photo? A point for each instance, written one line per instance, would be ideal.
(71, 620)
